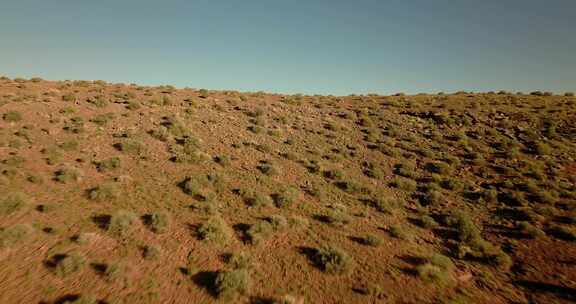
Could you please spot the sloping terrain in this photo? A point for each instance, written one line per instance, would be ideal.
(114, 193)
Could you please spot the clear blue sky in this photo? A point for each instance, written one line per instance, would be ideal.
(308, 46)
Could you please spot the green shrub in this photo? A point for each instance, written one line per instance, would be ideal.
(563, 232)
(278, 222)
(69, 145)
(53, 155)
(108, 164)
(75, 125)
(122, 223)
(151, 252)
(542, 148)
(260, 231)
(200, 186)
(222, 160)
(432, 273)
(335, 217)
(372, 240)
(285, 197)
(436, 270)
(466, 229)
(215, 230)
(333, 174)
(14, 234)
(439, 168)
(404, 184)
(530, 230)
(12, 116)
(13, 202)
(371, 170)
(68, 174)
(255, 199)
(405, 169)
(130, 146)
(133, 105)
(158, 222)
(239, 260)
(114, 271)
(69, 97)
(451, 184)
(399, 232)
(229, 284)
(67, 264)
(333, 260)
(268, 169)
(102, 119)
(352, 187)
(104, 192)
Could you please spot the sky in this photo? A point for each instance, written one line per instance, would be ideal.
(300, 46)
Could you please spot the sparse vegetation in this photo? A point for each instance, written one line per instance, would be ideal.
(158, 189)
(13, 202)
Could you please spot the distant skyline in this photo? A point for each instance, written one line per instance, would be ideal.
(312, 47)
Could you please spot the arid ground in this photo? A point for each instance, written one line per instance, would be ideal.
(117, 193)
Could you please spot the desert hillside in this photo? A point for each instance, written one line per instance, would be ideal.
(118, 193)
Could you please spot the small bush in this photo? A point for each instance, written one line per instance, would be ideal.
(333, 260)
(238, 260)
(151, 252)
(563, 233)
(404, 184)
(466, 229)
(530, 230)
(222, 160)
(333, 174)
(260, 231)
(130, 146)
(158, 222)
(542, 148)
(68, 174)
(67, 264)
(133, 105)
(12, 116)
(69, 145)
(53, 155)
(69, 97)
(104, 192)
(405, 169)
(14, 234)
(372, 240)
(335, 217)
(229, 284)
(102, 119)
(122, 223)
(432, 273)
(200, 186)
(13, 202)
(255, 199)
(352, 187)
(268, 169)
(215, 230)
(439, 168)
(399, 232)
(371, 170)
(285, 197)
(114, 271)
(108, 164)
(428, 222)
(436, 270)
